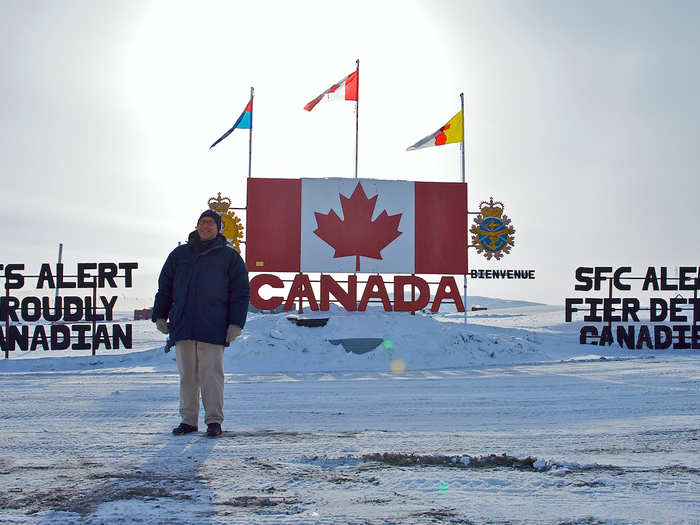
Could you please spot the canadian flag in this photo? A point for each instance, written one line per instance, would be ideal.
(356, 225)
(345, 89)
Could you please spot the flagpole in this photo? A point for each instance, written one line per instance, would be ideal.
(461, 96)
(250, 135)
(462, 148)
(357, 112)
(60, 260)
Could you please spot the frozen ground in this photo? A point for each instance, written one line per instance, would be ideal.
(506, 420)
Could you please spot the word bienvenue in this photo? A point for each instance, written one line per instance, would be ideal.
(502, 274)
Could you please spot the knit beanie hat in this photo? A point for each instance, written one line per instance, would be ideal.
(211, 213)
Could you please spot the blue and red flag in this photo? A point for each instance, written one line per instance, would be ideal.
(245, 121)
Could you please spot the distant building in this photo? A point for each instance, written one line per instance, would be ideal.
(143, 314)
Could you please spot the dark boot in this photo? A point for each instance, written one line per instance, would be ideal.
(213, 429)
(184, 428)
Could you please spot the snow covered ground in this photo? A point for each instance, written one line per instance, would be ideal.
(505, 420)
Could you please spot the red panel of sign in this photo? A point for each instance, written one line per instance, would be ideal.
(441, 227)
(273, 225)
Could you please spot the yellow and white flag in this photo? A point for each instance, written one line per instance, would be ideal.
(450, 133)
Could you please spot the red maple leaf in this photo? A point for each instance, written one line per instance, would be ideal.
(357, 234)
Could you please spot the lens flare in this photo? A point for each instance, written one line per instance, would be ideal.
(398, 366)
(388, 344)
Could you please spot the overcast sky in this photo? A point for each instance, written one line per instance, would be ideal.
(581, 117)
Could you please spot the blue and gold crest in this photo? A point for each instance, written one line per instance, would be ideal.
(492, 231)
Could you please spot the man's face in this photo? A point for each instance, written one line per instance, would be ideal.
(207, 229)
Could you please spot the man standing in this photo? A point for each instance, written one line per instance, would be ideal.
(203, 290)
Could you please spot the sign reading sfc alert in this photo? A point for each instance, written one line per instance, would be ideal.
(502, 274)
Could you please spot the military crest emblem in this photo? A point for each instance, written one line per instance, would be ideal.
(231, 226)
(492, 232)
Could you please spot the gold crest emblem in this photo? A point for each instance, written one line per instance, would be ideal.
(231, 226)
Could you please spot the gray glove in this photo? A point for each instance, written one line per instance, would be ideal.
(162, 326)
(232, 332)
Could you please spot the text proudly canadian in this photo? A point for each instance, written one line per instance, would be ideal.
(65, 321)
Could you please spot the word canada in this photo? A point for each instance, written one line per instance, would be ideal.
(375, 289)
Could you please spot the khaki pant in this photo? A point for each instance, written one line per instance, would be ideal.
(201, 365)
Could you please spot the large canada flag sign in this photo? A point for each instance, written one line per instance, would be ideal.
(356, 225)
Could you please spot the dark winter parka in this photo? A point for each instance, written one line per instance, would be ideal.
(202, 289)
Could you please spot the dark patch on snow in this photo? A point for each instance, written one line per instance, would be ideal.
(584, 484)
(293, 434)
(490, 461)
(372, 501)
(695, 432)
(324, 461)
(565, 468)
(645, 449)
(86, 503)
(36, 501)
(136, 475)
(16, 469)
(588, 520)
(441, 516)
(672, 469)
(258, 501)
(263, 465)
(339, 480)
